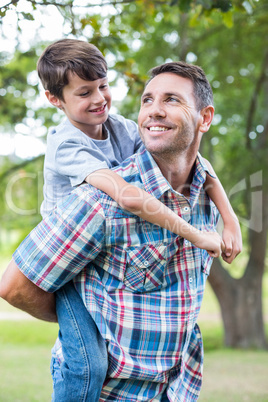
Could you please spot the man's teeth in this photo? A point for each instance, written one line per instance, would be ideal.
(158, 128)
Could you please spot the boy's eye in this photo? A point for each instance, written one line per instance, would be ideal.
(84, 93)
(104, 86)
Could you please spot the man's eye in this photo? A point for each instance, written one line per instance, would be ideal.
(171, 99)
(147, 100)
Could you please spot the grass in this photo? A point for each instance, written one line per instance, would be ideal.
(235, 376)
(25, 374)
(229, 375)
(25, 359)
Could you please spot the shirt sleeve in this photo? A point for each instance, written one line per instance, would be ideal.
(63, 243)
(133, 129)
(77, 161)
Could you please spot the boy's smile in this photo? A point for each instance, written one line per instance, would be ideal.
(87, 104)
(99, 110)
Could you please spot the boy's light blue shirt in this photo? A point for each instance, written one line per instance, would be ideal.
(71, 155)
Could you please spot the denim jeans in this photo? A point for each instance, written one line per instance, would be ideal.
(80, 377)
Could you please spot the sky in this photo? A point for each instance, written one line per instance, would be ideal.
(28, 141)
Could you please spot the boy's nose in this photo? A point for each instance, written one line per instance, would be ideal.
(98, 97)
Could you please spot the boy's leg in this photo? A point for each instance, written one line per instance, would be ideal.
(85, 357)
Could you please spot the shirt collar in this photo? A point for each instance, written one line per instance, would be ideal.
(153, 179)
(201, 167)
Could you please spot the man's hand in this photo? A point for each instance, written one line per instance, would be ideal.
(20, 292)
(232, 239)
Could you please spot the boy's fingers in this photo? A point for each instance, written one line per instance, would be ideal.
(228, 250)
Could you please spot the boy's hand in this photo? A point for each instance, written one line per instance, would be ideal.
(212, 242)
(232, 239)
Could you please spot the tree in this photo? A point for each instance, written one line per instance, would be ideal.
(241, 299)
(138, 35)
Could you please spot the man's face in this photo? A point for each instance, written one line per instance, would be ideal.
(168, 119)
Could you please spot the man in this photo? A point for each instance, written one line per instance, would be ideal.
(142, 284)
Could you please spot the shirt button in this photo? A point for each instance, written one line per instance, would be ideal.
(190, 280)
(186, 242)
(146, 263)
(186, 209)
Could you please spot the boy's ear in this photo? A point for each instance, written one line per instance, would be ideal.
(53, 99)
(207, 115)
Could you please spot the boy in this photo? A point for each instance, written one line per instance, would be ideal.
(84, 148)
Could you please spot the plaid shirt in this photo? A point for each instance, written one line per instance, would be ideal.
(142, 284)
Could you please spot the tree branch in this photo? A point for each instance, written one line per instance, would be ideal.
(70, 3)
(21, 165)
(254, 98)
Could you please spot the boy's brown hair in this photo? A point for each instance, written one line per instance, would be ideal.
(69, 56)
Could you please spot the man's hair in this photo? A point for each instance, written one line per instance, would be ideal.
(67, 56)
(201, 87)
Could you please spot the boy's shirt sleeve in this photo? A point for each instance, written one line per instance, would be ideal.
(76, 161)
(64, 242)
(134, 132)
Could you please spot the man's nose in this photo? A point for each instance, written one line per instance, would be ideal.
(157, 110)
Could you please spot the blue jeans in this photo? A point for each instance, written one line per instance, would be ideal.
(80, 377)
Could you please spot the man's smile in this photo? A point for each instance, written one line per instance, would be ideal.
(158, 128)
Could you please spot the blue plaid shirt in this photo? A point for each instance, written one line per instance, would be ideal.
(142, 284)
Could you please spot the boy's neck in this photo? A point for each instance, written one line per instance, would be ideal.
(94, 132)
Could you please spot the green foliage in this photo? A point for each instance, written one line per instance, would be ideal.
(15, 90)
(139, 35)
(21, 195)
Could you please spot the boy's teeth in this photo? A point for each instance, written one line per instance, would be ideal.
(158, 128)
(98, 110)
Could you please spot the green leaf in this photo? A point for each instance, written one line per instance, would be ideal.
(27, 16)
(184, 5)
(227, 18)
(223, 5)
(207, 4)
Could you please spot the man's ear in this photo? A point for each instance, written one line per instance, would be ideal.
(207, 114)
(53, 99)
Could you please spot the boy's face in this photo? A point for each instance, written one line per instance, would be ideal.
(86, 104)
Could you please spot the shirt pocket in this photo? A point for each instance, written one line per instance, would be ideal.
(145, 266)
(207, 261)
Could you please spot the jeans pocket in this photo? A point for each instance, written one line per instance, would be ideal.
(55, 370)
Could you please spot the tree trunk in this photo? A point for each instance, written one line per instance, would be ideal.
(241, 299)
(241, 308)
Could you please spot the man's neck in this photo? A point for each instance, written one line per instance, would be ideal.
(178, 172)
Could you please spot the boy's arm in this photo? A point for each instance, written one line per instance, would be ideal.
(231, 235)
(20, 292)
(140, 203)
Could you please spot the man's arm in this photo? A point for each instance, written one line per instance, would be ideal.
(20, 292)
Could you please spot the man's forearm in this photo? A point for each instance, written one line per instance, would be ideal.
(20, 292)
